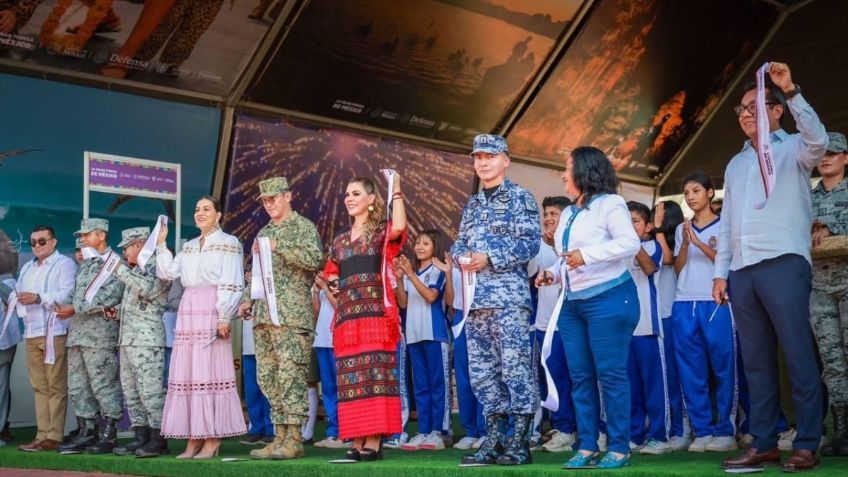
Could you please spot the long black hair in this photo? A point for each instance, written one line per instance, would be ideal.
(592, 173)
(672, 217)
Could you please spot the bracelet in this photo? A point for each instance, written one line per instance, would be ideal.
(397, 194)
(396, 198)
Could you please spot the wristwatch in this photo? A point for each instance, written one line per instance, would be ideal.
(795, 91)
(37, 299)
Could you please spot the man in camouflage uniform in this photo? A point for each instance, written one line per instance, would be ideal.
(283, 352)
(93, 384)
(829, 298)
(142, 346)
(500, 234)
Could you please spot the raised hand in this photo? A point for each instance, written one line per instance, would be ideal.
(444, 266)
(781, 76)
(659, 215)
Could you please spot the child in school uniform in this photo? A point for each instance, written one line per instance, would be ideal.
(426, 333)
(667, 216)
(704, 334)
(646, 366)
(324, 307)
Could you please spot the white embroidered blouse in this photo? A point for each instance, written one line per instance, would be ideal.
(218, 263)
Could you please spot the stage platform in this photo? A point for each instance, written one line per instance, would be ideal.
(396, 464)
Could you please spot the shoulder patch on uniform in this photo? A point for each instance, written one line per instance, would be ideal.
(530, 202)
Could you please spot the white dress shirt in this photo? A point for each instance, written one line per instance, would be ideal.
(604, 234)
(53, 280)
(218, 264)
(748, 235)
(546, 296)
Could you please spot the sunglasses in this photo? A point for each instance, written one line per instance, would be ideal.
(40, 242)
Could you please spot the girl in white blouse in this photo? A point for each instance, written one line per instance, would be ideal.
(202, 404)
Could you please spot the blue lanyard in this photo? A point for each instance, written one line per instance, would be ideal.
(566, 235)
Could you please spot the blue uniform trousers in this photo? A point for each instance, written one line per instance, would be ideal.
(470, 409)
(649, 390)
(329, 391)
(258, 407)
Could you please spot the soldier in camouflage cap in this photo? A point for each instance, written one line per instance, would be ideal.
(142, 346)
(829, 298)
(93, 384)
(78, 246)
(283, 352)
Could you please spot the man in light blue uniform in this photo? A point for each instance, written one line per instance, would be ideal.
(499, 234)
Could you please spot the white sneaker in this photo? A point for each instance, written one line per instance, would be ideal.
(655, 447)
(433, 441)
(396, 442)
(559, 442)
(331, 442)
(414, 443)
(721, 444)
(785, 439)
(478, 442)
(535, 445)
(602, 442)
(634, 447)
(700, 444)
(744, 441)
(679, 443)
(465, 443)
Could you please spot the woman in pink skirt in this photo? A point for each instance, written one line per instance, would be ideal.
(202, 404)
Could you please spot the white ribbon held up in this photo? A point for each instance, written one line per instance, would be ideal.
(262, 281)
(150, 244)
(764, 152)
(469, 283)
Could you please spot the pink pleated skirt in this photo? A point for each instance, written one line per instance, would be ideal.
(202, 400)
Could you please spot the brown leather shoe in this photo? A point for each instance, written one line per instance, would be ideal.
(30, 446)
(752, 458)
(48, 445)
(801, 460)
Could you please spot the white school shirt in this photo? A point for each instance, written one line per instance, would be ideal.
(667, 288)
(326, 312)
(695, 282)
(603, 232)
(425, 321)
(219, 264)
(53, 280)
(546, 296)
(646, 287)
(248, 347)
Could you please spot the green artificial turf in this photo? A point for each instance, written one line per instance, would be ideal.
(396, 464)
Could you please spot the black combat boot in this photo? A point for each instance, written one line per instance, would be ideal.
(157, 446)
(108, 438)
(838, 444)
(518, 446)
(142, 437)
(85, 437)
(493, 445)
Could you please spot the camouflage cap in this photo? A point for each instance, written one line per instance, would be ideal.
(129, 236)
(490, 144)
(273, 186)
(87, 225)
(79, 244)
(836, 142)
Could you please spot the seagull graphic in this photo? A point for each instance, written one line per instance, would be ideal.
(15, 152)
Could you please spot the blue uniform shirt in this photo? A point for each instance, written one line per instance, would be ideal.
(506, 228)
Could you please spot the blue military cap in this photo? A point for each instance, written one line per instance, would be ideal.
(489, 143)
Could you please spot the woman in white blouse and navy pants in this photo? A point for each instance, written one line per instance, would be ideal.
(596, 242)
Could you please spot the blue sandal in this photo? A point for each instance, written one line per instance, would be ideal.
(612, 462)
(581, 461)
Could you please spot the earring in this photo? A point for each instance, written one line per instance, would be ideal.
(370, 208)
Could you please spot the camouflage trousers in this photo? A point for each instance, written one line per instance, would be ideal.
(142, 368)
(93, 384)
(829, 314)
(503, 373)
(282, 364)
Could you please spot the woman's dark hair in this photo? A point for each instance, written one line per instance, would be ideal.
(438, 238)
(672, 217)
(216, 204)
(592, 173)
(699, 177)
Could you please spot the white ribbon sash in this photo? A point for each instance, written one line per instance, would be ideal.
(110, 263)
(262, 282)
(89, 252)
(150, 244)
(469, 283)
(384, 268)
(551, 402)
(50, 351)
(10, 308)
(764, 153)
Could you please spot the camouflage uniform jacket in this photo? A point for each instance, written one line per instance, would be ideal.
(144, 303)
(89, 327)
(831, 207)
(296, 259)
(506, 228)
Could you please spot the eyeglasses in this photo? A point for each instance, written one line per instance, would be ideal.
(40, 242)
(750, 107)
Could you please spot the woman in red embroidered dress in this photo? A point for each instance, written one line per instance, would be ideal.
(367, 325)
